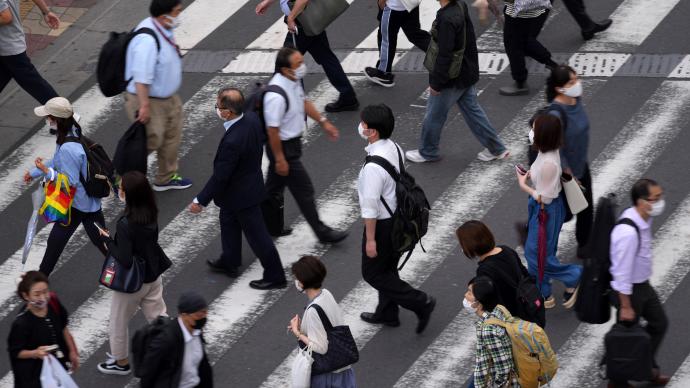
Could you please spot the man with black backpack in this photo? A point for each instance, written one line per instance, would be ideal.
(631, 268)
(381, 188)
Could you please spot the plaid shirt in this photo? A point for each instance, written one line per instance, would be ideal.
(494, 355)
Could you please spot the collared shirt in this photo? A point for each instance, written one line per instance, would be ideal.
(631, 255)
(161, 70)
(70, 159)
(494, 361)
(290, 123)
(375, 182)
(193, 354)
(229, 123)
(12, 38)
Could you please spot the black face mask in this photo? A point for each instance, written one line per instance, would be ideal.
(199, 323)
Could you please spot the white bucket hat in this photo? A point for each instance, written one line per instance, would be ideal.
(57, 107)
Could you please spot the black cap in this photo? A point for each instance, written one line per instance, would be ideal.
(191, 302)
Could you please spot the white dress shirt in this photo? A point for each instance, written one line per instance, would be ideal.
(545, 173)
(375, 182)
(631, 255)
(193, 354)
(290, 123)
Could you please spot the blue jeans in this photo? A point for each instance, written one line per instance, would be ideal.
(437, 108)
(569, 274)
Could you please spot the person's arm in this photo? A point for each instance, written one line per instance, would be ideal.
(73, 158)
(72, 346)
(5, 13)
(297, 9)
(369, 190)
(500, 351)
(274, 111)
(547, 178)
(142, 68)
(223, 168)
(481, 366)
(316, 337)
(50, 18)
(623, 252)
(447, 34)
(263, 6)
(315, 115)
(121, 247)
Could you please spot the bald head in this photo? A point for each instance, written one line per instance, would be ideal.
(231, 100)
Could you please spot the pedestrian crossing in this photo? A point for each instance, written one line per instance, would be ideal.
(460, 188)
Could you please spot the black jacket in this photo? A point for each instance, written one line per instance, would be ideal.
(141, 241)
(450, 22)
(162, 363)
(237, 181)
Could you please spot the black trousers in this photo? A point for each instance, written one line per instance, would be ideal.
(251, 222)
(320, 50)
(297, 181)
(382, 273)
(583, 225)
(60, 235)
(23, 71)
(520, 41)
(578, 12)
(390, 23)
(647, 305)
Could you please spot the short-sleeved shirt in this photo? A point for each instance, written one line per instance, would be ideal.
(12, 39)
(290, 123)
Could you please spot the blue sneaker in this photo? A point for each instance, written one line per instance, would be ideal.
(175, 183)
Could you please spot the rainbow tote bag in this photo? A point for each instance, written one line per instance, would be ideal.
(58, 203)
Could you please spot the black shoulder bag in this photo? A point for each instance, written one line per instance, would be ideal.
(342, 349)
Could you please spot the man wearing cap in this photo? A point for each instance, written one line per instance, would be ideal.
(14, 63)
(176, 357)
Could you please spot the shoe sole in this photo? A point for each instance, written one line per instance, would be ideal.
(333, 241)
(493, 157)
(269, 288)
(378, 81)
(571, 302)
(166, 188)
(386, 323)
(549, 305)
(113, 372)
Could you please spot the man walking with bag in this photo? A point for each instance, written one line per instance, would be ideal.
(631, 268)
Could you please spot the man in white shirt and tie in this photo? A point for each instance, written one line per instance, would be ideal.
(379, 259)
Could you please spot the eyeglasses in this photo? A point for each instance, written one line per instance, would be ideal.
(217, 107)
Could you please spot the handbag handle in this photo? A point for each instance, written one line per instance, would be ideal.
(324, 318)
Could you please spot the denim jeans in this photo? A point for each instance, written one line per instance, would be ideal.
(569, 274)
(437, 108)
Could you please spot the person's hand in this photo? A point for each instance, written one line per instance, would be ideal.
(263, 6)
(331, 130)
(143, 115)
(291, 25)
(39, 164)
(74, 360)
(196, 208)
(52, 20)
(294, 325)
(382, 4)
(370, 249)
(483, 9)
(41, 352)
(104, 232)
(27, 177)
(282, 167)
(433, 91)
(627, 314)
(522, 179)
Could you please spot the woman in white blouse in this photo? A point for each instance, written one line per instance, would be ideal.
(309, 273)
(545, 174)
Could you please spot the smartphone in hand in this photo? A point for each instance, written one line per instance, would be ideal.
(520, 169)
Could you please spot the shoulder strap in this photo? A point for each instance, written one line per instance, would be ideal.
(386, 165)
(628, 221)
(278, 90)
(324, 318)
(495, 321)
(148, 31)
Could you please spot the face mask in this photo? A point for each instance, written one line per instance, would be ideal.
(121, 195)
(298, 286)
(199, 324)
(468, 306)
(360, 130)
(301, 71)
(573, 91)
(173, 22)
(40, 303)
(531, 136)
(657, 208)
(219, 114)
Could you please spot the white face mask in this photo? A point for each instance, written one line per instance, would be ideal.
(360, 130)
(219, 114)
(531, 136)
(657, 208)
(173, 22)
(573, 91)
(298, 286)
(468, 306)
(301, 71)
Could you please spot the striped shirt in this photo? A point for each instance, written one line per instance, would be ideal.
(510, 11)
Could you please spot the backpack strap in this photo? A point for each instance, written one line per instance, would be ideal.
(630, 222)
(148, 31)
(324, 318)
(79, 139)
(278, 90)
(386, 165)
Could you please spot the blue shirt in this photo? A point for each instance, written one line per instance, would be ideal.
(70, 159)
(576, 137)
(229, 123)
(162, 71)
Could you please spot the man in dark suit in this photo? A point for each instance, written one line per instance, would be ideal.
(176, 356)
(237, 188)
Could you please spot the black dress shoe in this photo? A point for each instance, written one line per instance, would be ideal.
(425, 314)
(266, 285)
(331, 236)
(216, 266)
(342, 105)
(598, 27)
(372, 318)
(284, 232)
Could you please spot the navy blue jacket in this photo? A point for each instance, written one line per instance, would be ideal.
(237, 181)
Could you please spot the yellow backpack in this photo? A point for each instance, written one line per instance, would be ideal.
(535, 361)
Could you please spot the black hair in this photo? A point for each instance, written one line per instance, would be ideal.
(283, 58)
(64, 126)
(640, 190)
(161, 7)
(560, 75)
(310, 271)
(379, 117)
(28, 280)
(140, 205)
(484, 292)
(231, 99)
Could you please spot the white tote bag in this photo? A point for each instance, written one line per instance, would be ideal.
(301, 368)
(53, 375)
(573, 194)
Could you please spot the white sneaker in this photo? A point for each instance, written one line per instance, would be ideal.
(487, 156)
(110, 367)
(415, 157)
(550, 302)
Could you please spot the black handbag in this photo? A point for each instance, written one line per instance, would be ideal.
(628, 353)
(342, 349)
(131, 152)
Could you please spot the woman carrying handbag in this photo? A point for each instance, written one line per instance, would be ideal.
(312, 332)
(136, 239)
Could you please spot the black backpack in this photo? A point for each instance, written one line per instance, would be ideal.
(99, 169)
(110, 71)
(411, 217)
(142, 339)
(628, 353)
(131, 151)
(592, 305)
(255, 102)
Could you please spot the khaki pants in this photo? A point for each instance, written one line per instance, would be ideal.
(124, 306)
(163, 131)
